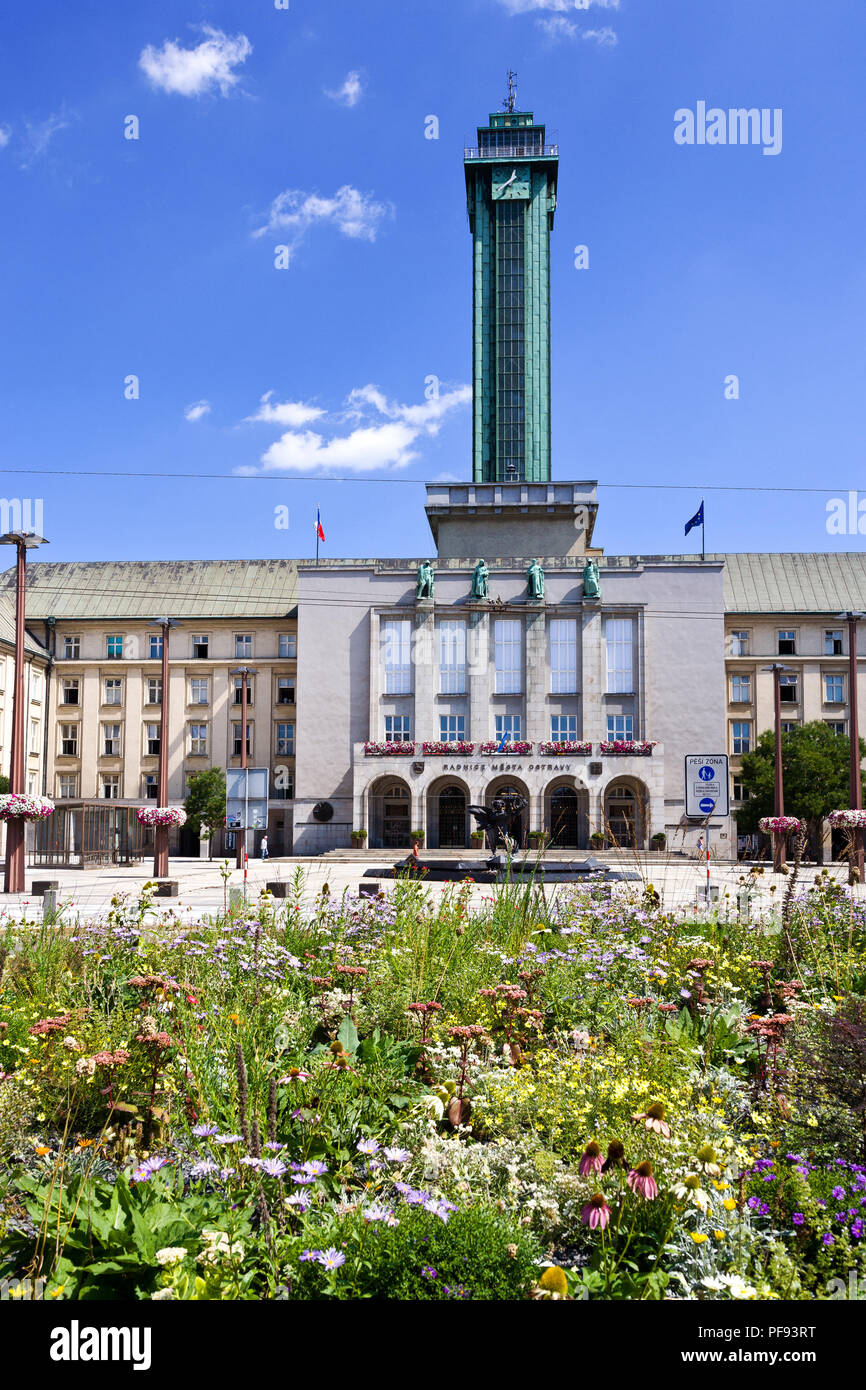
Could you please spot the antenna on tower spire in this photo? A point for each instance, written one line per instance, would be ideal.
(510, 102)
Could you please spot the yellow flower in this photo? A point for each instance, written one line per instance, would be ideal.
(698, 1237)
(41, 1150)
(554, 1280)
(719, 1235)
(729, 1204)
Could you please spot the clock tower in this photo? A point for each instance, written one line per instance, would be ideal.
(511, 197)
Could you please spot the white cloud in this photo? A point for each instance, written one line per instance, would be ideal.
(292, 413)
(197, 410)
(5, 132)
(191, 72)
(354, 214)
(351, 91)
(38, 136)
(559, 28)
(556, 6)
(375, 443)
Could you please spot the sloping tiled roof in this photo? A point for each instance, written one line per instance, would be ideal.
(816, 582)
(150, 589)
(7, 626)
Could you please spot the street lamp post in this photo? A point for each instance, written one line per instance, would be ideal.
(15, 826)
(244, 672)
(777, 669)
(855, 788)
(160, 833)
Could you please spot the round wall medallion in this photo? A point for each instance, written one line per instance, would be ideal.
(323, 811)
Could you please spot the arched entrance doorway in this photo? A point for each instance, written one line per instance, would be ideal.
(566, 816)
(625, 804)
(518, 826)
(389, 813)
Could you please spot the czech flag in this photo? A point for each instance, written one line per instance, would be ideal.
(320, 534)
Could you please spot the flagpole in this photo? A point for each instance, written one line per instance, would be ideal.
(703, 533)
(318, 514)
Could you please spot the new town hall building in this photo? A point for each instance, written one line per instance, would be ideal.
(392, 694)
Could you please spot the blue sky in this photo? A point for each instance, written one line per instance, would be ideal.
(305, 127)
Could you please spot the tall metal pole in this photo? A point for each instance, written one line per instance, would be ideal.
(160, 838)
(15, 826)
(242, 836)
(856, 790)
(779, 800)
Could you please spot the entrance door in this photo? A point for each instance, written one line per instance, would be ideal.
(452, 819)
(395, 819)
(563, 818)
(622, 818)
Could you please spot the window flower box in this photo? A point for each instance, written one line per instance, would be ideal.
(564, 747)
(447, 750)
(778, 825)
(161, 815)
(510, 750)
(389, 750)
(18, 805)
(627, 747)
(847, 820)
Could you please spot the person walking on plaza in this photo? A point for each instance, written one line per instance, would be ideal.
(263, 848)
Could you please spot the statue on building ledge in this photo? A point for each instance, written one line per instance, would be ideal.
(535, 581)
(591, 585)
(480, 581)
(426, 580)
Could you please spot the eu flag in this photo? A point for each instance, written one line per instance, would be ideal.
(697, 519)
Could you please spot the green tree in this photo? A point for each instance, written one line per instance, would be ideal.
(4, 784)
(815, 774)
(206, 800)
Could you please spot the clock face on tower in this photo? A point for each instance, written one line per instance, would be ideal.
(510, 182)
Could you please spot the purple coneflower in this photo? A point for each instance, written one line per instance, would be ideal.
(591, 1159)
(595, 1213)
(641, 1181)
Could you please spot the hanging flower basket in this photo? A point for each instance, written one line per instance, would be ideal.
(847, 820)
(389, 750)
(779, 825)
(564, 748)
(447, 750)
(18, 805)
(518, 750)
(625, 747)
(161, 815)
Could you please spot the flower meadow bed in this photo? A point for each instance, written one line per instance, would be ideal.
(409, 1098)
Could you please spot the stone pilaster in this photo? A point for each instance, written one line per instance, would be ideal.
(478, 675)
(594, 673)
(425, 724)
(537, 677)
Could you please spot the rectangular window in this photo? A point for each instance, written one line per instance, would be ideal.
(396, 638)
(452, 728)
(239, 690)
(620, 727)
(114, 647)
(67, 786)
(741, 690)
(508, 656)
(508, 728)
(111, 745)
(789, 725)
(110, 786)
(833, 642)
(834, 690)
(563, 656)
(113, 692)
(788, 689)
(71, 648)
(288, 646)
(452, 657)
(34, 735)
(243, 645)
(236, 740)
(398, 728)
(154, 645)
(69, 740)
(199, 691)
(838, 726)
(285, 690)
(741, 736)
(151, 786)
(200, 642)
(285, 740)
(198, 740)
(71, 692)
(787, 642)
(563, 728)
(153, 690)
(619, 641)
(740, 642)
(36, 685)
(152, 736)
(738, 791)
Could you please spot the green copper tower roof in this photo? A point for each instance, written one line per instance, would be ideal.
(511, 197)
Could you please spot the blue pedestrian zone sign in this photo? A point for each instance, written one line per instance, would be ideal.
(707, 785)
